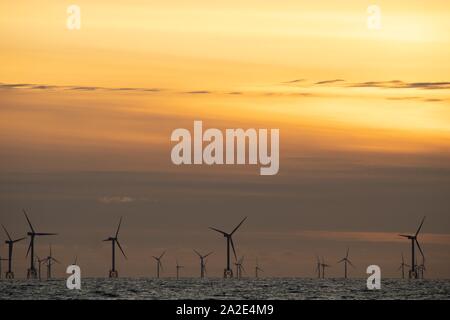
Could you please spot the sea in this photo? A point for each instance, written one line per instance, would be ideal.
(230, 289)
(226, 289)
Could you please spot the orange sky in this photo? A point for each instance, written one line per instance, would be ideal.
(363, 114)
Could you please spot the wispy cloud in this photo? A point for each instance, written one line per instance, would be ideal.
(330, 81)
(398, 84)
(115, 199)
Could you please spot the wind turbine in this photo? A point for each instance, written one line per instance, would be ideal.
(202, 262)
(402, 266)
(10, 242)
(257, 269)
(228, 272)
(346, 260)
(39, 265)
(32, 274)
(413, 238)
(239, 267)
(49, 260)
(318, 267)
(159, 263)
(1, 259)
(324, 265)
(115, 240)
(178, 270)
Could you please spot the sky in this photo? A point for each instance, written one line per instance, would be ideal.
(86, 117)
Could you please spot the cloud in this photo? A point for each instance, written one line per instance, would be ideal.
(398, 84)
(198, 92)
(294, 81)
(115, 199)
(330, 81)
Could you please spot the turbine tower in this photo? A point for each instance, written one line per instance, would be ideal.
(202, 263)
(115, 240)
(49, 261)
(178, 270)
(228, 272)
(324, 265)
(257, 269)
(31, 273)
(346, 260)
(402, 266)
(10, 242)
(159, 264)
(413, 271)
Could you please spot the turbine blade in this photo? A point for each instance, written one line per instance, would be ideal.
(220, 231)
(237, 227)
(232, 246)
(404, 235)
(208, 254)
(45, 234)
(118, 227)
(29, 248)
(160, 265)
(162, 254)
(120, 247)
(29, 223)
(197, 253)
(420, 249)
(17, 240)
(56, 260)
(420, 227)
(6, 231)
(341, 260)
(351, 263)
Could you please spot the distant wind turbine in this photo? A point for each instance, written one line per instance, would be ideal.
(49, 261)
(402, 266)
(159, 264)
(10, 242)
(240, 267)
(346, 260)
(324, 265)
(115, 240)
(228, 272)
(257, 269)
(414, 241)
(178, 269)
(318, 267)
(202, 262)
(32, 274)
(40, 261)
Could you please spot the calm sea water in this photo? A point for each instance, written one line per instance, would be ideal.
(271, 288)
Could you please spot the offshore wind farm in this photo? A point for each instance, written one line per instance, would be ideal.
(237, 285)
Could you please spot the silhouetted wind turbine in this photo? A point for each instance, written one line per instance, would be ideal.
(257, 269)
(10, 242)
(402, 266)
(159, 263)
(49, 261)
(318, 267)
(240, 267)
(31, 274)
(413, 238)
(228, 272)
(324, 265)
(1, 259)
(115, 240)
(346, 260)
(39, 265)
(178, 270)
(202, 262)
